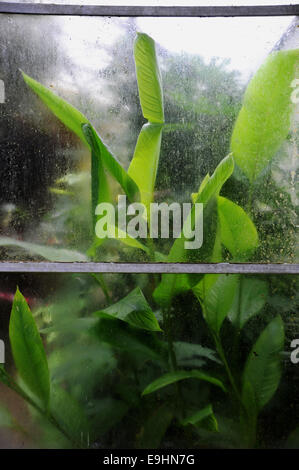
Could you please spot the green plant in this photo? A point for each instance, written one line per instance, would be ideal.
(140, 336)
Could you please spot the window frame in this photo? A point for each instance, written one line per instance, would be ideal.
(149, 11)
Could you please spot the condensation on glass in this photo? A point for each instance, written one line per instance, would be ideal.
(206, 65)
(101, 365)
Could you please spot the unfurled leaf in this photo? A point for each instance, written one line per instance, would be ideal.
(134, 310)
(44, 251)
(173, 377)
(237, 231)
(262, 371)
(28, 350)
(148, 78)
(250, 297)
(144, 165)
(264, 119)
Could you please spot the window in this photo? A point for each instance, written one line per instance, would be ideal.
(149, 165)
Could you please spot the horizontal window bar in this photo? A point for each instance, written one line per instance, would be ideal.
(115, 10)
(174, 268)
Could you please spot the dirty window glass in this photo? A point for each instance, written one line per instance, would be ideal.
(128, 373)
(191, 159)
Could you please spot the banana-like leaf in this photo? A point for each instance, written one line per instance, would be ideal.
(173, 377)
(28, 350)
(47, 252)
(132, 309)
(74, 120)
(172, 284)
(237, 231)
(216, 293)
(205, 415)
(250, 297)
(262, 371)
(144, 165)
(148, 79)
(264, 119)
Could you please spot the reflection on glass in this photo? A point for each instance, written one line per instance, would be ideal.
(208, 367)
(180, 125)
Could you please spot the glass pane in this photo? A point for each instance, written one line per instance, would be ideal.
(205, 67)
(164, 2)
(118, 382)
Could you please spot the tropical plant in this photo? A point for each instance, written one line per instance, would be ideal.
(136, 346)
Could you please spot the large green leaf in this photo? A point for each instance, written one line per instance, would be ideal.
(237, 231)
(173, 377)
(134, 310)
(148, 78)
(262, 371)
(64, 111)
(47, 252)
(264, 119)
(75, 121)
(138, 344)
(172, 284)
(28, 350)
(144, 165)
(216, 293)
(250, 297)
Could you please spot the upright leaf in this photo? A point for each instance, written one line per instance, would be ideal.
(44, 251)
(144, 165)
(28, 351)
(262, 371)
(264, 119)
(148, 78)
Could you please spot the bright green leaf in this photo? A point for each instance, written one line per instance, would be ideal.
(237, 231)
(148, 78)
(144, 165)
(264, 119)
(28, 350)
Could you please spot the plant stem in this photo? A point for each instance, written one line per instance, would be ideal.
(99, 278)
(227, 368)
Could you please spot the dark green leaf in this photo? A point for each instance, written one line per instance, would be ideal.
(262, 371)
(173, 377)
